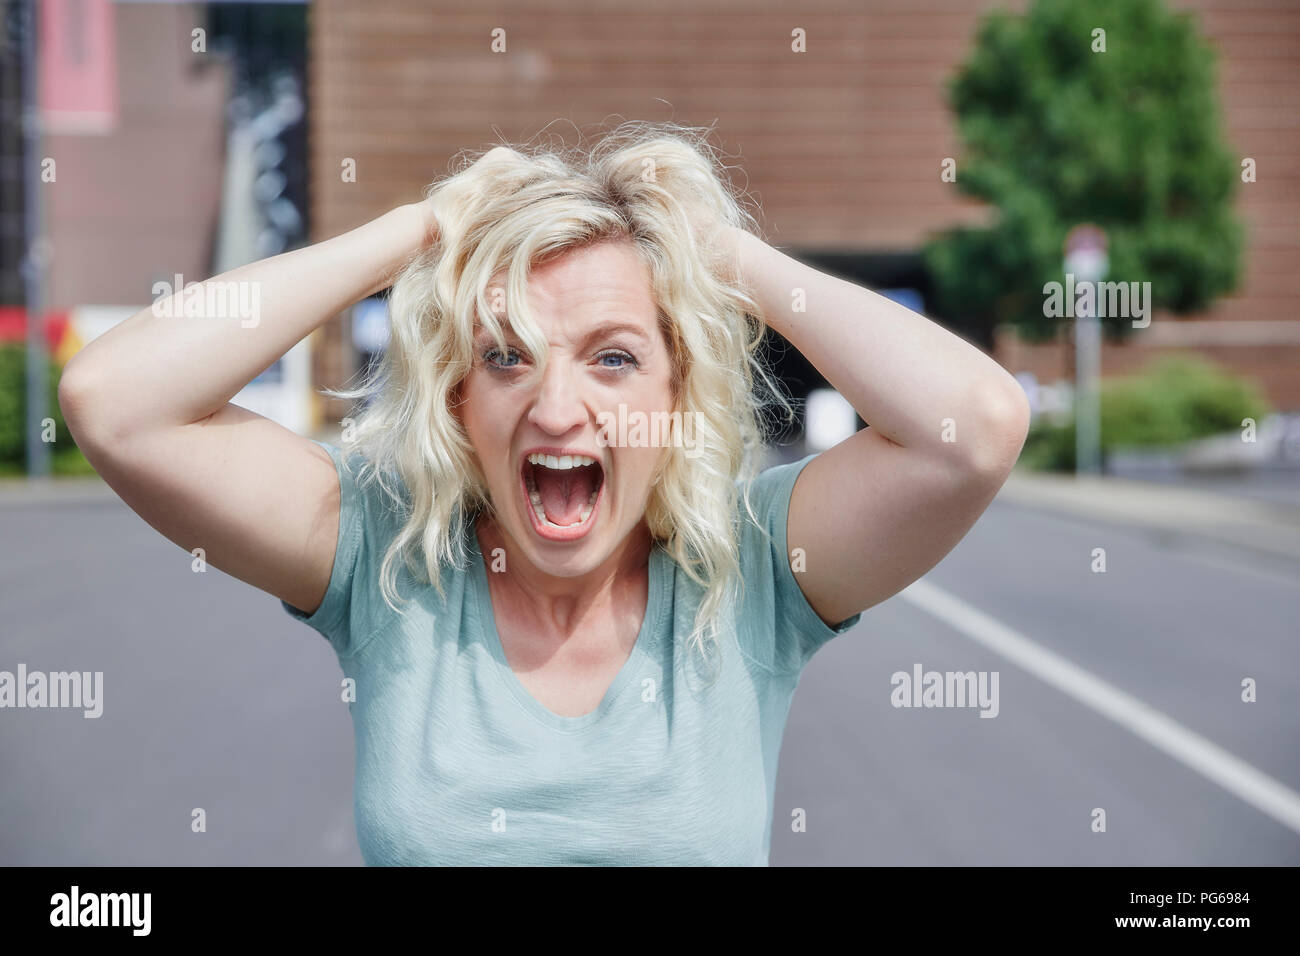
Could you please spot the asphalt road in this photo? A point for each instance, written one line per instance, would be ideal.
(1175, 624)
(215, 699)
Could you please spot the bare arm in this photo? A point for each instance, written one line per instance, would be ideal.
(149, 404)
(947, 423)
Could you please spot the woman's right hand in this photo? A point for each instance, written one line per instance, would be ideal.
(511, 167)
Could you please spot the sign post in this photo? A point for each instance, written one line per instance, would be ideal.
(35, 253)
(1086, 262)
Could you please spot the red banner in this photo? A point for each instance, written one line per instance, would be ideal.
(78, 63)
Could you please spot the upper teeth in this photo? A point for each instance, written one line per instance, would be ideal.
(562, 462)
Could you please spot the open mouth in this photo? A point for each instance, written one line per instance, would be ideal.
(563, 493)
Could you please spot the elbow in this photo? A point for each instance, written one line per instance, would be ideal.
(1002, 425)
(72, 392)
(81, 402)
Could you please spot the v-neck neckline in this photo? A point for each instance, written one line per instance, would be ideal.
(492, 639)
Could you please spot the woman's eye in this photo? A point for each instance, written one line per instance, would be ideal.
(493, 357)
(620, 360)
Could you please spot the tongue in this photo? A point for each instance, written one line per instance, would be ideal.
(564, 493)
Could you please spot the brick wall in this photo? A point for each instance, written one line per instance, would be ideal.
(841, 146)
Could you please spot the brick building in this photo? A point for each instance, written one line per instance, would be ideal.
(841, 144)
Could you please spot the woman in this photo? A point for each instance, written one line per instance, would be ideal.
(573, 640)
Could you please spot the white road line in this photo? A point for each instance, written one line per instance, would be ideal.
(1208, 759)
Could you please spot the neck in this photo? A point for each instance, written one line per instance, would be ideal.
(561, 604)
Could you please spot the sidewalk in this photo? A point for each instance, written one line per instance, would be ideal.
(57, 490)
(1268, 527)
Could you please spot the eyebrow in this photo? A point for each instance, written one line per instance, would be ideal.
(610, 328)
(604, 328)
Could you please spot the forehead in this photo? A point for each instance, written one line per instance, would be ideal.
(596, 283)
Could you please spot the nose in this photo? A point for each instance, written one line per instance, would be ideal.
(558, 407)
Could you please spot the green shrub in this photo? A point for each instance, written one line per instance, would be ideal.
(1176, 399)
(66, 458)
(1049, 447)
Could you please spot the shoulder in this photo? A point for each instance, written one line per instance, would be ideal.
(373, 506)
(768, 490)
(779, 630)
(374, 500)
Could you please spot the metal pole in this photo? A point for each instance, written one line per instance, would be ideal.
(38, 452)
(1087, 398)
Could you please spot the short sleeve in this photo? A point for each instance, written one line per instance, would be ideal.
(334, 618)
(781, 631)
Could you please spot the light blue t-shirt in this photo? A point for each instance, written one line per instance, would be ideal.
(458, 764)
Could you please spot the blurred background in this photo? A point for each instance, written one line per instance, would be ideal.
(1134, 583)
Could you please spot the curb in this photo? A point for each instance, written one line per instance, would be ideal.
(77, 489)
(1268, 527)
(69, 490)
(1272, 528)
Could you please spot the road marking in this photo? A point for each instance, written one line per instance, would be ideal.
(1161, 731)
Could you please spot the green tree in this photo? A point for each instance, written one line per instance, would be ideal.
(1056, 132)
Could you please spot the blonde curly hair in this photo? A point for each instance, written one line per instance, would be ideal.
(662, 186)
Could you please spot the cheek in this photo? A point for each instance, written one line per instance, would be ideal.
(474, 412)
(478, 403)
(489, 416)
